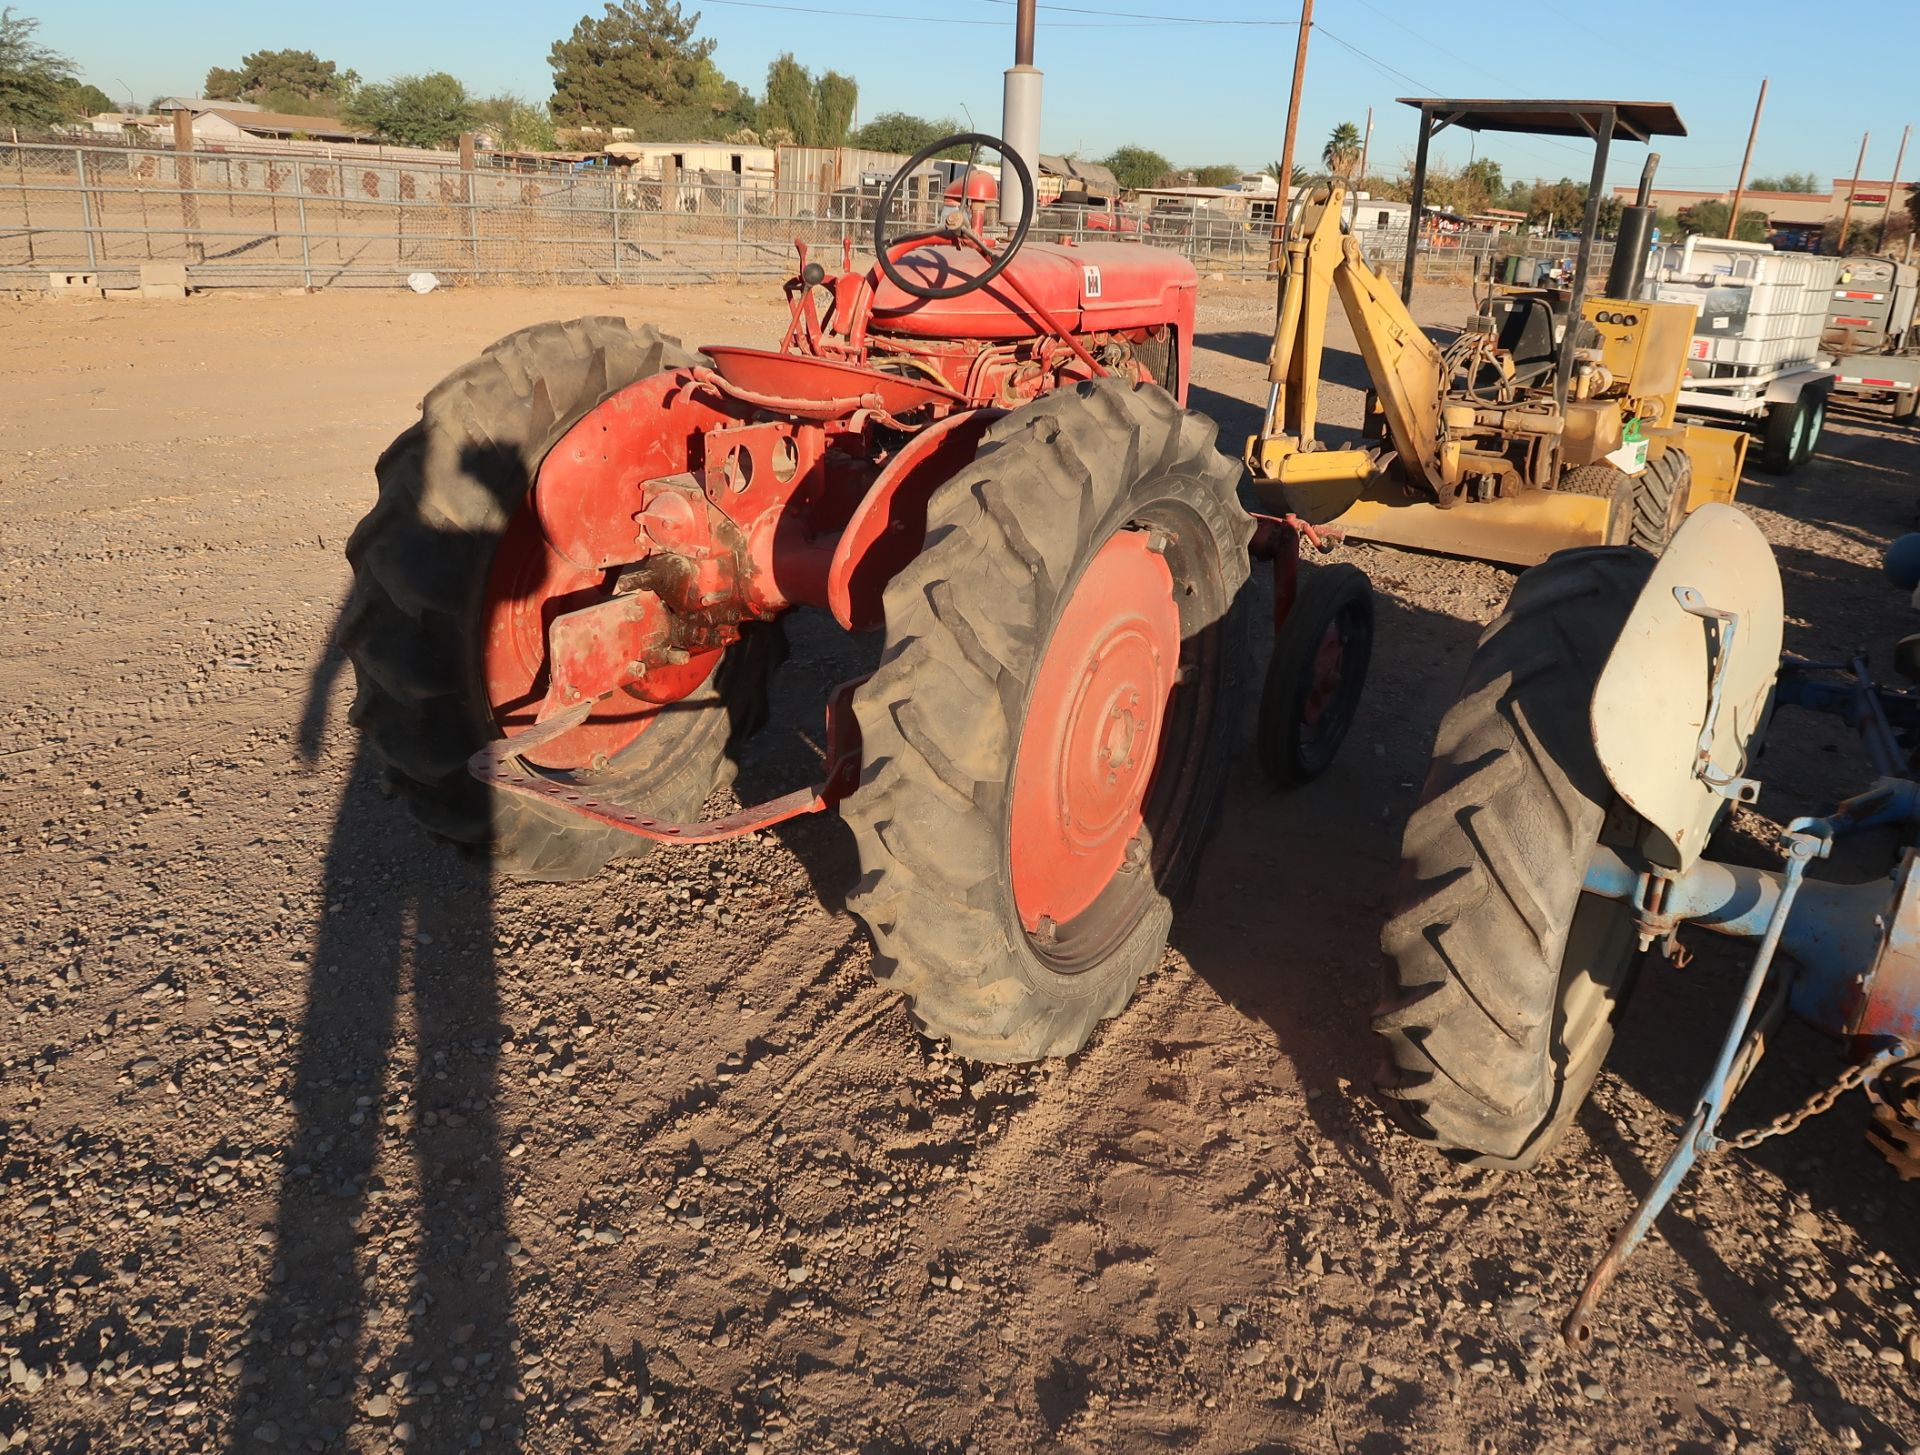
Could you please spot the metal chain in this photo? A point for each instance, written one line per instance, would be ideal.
(1854, 1076)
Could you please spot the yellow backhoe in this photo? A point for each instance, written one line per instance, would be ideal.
(1550, 422)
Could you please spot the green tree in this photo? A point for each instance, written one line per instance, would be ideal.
(514, 123)
(1709, 219)
(789, 110)
(1136, 167)
(1342, 151)
(837, 97)
(1482, 177)
(81, 99)
(802, 108)
(421, 111)
(897, 131)
(34, 81)
(1787, 182)
(1218, 174)
(284, 80)
(640, 64)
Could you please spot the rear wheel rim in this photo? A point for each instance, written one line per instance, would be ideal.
(1092, 735)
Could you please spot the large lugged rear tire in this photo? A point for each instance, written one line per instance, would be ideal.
(414, 623)
(1095, 539)
(1506, 978)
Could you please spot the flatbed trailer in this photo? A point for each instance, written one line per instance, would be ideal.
(1872, 335)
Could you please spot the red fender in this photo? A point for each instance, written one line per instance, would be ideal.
(890, 524)
(589, 489)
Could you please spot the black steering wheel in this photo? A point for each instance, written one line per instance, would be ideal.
(958, 230)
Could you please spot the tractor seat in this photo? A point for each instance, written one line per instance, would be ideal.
(1522, 324)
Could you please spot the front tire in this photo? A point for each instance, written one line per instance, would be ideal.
(1318, 671)
(1506, 977)
(1048, 735)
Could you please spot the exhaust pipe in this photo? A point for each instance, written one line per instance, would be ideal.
(1020, 110)
(1635, 238)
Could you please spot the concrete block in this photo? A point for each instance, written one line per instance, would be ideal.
(166, 282)
(74, 285)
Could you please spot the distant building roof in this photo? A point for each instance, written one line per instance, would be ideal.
(201, 103)
(280, 123)
(1202, 192)
(1093, 179)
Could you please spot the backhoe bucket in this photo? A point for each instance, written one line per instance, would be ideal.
(1519, 530)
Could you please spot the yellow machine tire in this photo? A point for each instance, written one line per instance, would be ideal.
(1646, 508)
(1609, 483)
(1660, 501)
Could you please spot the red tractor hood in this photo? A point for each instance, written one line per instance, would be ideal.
(1092, 287)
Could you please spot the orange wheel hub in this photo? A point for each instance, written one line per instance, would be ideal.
(1092, 733)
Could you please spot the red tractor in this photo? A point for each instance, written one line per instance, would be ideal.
(565, 605)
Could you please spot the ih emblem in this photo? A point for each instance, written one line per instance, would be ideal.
(1092, 277)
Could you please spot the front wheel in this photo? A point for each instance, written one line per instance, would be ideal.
(1319, 667)
(1507, 977)
(1048, 735)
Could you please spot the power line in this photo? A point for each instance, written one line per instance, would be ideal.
(1168, 19)
(1435, 45)
(938, 19)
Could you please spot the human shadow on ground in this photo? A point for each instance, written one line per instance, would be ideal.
(395, 1060)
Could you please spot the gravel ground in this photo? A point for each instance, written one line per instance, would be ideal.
(316, 1139)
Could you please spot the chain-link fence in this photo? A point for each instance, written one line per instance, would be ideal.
(268, 220)
(298, 219)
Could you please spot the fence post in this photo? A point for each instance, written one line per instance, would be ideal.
(468, 190)
(86, 208)
(26, 199)
(183, 178)
(613, 206)
(306, 239)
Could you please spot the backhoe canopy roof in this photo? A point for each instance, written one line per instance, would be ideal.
(1632, 120)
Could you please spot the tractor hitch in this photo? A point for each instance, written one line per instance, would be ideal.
(1852, 968)
(499, 765)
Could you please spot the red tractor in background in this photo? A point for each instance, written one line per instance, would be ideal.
(566, 599)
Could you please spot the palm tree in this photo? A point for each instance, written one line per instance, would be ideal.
(1342, 151)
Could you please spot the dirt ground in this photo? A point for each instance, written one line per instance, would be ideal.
(316, 1139)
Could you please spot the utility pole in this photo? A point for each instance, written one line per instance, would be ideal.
(1360, 176)
(1893, 187)
(1740, 187)
(1293, 112)
(1283, 204)
(1020, 111)
(1846, 216)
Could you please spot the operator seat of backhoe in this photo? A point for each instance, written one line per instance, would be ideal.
(1523, 325)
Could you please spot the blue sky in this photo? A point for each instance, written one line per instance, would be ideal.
(1142, 71)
